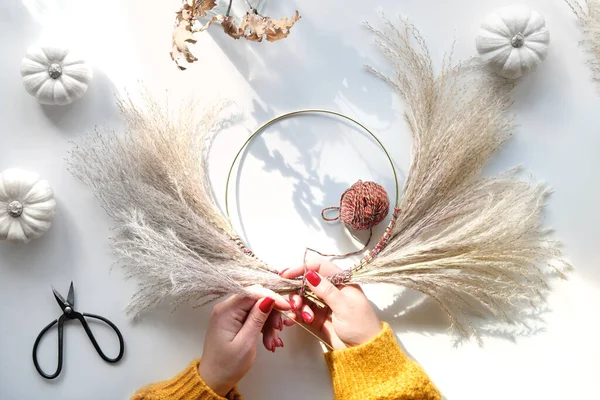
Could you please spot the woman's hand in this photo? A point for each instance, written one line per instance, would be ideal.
(348, 321)
(230, 343)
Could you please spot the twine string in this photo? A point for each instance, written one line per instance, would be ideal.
(323, 211)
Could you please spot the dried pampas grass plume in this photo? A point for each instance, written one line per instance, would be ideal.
(473, 244)
(588, 14)
(153, 182)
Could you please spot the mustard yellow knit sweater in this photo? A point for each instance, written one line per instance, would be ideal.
(375, 370)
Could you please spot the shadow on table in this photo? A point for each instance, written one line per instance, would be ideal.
(97, 106)
(415, 312)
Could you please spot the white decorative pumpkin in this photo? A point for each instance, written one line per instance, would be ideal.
(27, 205)
(513, 41)
(54, 75)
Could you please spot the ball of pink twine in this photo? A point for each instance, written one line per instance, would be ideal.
(362, 206)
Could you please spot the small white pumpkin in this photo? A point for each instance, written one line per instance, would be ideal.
(513, 41)
(54, 75)
(27, 205)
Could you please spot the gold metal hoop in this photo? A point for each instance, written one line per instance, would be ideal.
(296, 113)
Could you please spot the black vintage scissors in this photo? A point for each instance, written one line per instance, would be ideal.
(69, 313)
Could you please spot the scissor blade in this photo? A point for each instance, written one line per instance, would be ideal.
(71, 296)
(59, 299)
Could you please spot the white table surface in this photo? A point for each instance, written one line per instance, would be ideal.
(305, 165)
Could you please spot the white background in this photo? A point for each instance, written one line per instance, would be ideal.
(299, 168)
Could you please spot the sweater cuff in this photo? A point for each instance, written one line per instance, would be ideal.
(378, 369)
(188, 385)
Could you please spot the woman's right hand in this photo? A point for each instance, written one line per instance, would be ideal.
(349, 319)
(233, 330)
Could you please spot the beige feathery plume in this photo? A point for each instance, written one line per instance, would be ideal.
(588, 14)
(153, 182)
(467, 241)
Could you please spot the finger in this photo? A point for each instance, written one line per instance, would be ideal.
(274, 321)
(325, 290)
(239, 302)
(274, 324)
(319, 314)
(259, 292)
(308, 315)
(269, 339)
(298, 270)
(254, 323)
(289, 319)
(295, 301)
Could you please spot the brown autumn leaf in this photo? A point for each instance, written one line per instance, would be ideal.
(204, 6)
(281, 29)
(254, 26)
(231, 28)
(194, 9)
(187, 11)
(182, 35)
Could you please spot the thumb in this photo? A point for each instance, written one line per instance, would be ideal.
(256, 320)
(325, 290)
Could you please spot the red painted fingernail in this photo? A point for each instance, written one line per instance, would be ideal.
(283, 271)
(280, 324)
(280, 342)
(273, 345)
(266, 305)
(292, 304)
(306, 317)
(313, 278)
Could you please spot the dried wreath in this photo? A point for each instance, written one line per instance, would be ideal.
(473, 244)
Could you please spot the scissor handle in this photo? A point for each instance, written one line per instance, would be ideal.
(60, 348)
(81, 319)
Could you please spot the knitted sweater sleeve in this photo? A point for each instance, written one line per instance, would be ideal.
(378, 370)
(188, 385)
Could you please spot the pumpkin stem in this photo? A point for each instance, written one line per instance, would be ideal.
(517, 40)
(55, 71)
(15, 209)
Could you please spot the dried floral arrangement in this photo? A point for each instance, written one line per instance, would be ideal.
(473, 244)
(194, 17)
(588, 14)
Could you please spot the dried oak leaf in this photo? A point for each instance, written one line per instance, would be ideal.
(281, 29)
(182, 35)
(254, 26)
(231, 28)
(193, 9)
(205, 6)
